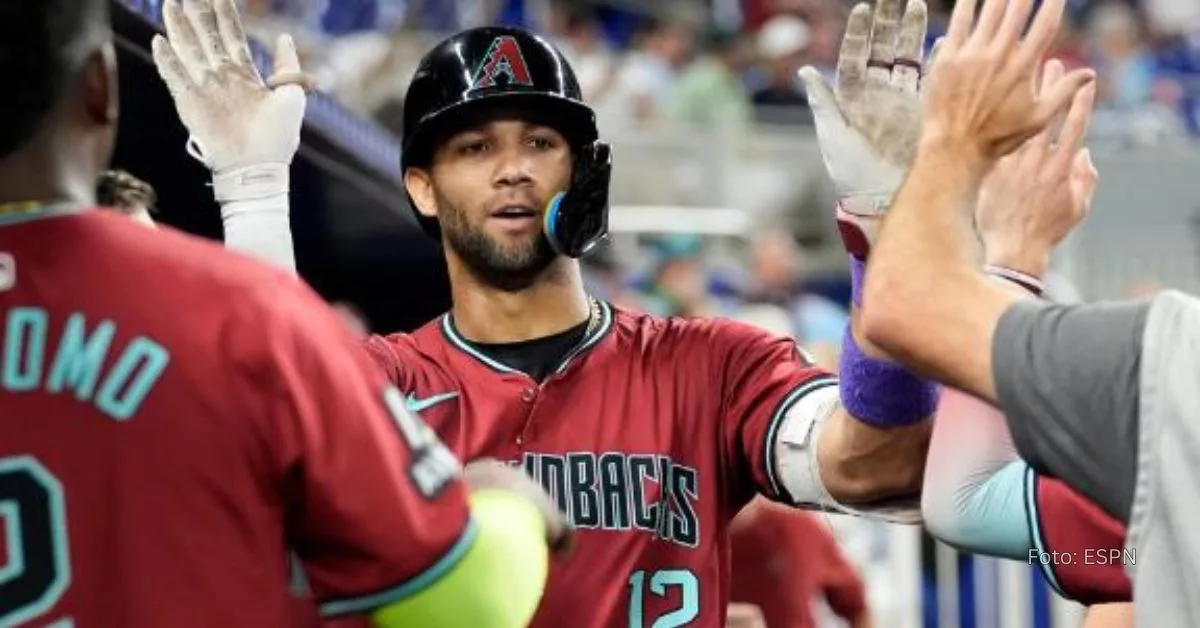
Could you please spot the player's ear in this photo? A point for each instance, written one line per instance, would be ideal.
(100, 86)
(420, 189)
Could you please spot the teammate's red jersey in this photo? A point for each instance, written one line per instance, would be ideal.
(785, 560)
(651, 435)
(175, 420)
(1081, 549)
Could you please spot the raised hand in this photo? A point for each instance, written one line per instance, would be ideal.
(982, 100)
(1035, 196)
(869, 125)
(235, 118)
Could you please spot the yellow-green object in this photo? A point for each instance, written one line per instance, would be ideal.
(496, 584)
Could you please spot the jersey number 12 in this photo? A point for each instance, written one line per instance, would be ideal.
(35, 570)
(659, 582)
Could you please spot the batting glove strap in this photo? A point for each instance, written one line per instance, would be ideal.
(858, 229)
(255, 182)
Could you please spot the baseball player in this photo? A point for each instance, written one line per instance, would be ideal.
(650, 432)
(175, 417)
(1097, 395)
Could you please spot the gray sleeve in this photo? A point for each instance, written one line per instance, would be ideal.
(1067, 380)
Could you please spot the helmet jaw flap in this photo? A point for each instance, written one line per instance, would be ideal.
(577, 220)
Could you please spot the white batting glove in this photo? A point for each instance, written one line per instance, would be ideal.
(244, 129)
(869, 125)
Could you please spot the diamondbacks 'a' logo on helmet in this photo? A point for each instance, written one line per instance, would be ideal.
(502, 59)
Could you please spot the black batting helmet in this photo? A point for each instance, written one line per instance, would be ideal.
(482, 68)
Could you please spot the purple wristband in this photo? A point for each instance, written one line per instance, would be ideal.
(858, 273)
(882, 393)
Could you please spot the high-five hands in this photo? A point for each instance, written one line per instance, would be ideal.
(869, 124)
(981, 98)
(1032, 198)
(244, 129)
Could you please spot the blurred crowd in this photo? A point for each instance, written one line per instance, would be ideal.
(767, 285)
(724, 64)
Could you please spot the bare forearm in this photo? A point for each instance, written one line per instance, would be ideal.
(928, 227)
(927, 305)
(860, 463)
(1109, 616)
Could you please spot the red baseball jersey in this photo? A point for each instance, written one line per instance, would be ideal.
(177, 419)
(784, 560)
(651, 435)
(1081, 549)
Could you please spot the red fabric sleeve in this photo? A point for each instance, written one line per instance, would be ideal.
(1080, 547)
(761, 376)
(375, 504)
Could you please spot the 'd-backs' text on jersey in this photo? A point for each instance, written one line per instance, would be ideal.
(651, 436)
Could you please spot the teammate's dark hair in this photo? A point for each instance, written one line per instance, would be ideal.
(124, 192)
(36, 37)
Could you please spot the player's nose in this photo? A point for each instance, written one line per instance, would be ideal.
(513, 168)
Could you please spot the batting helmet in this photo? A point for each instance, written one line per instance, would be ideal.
(483, 68)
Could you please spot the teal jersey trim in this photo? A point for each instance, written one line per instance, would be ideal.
(42, 213)
(588, 342)
(371, 602)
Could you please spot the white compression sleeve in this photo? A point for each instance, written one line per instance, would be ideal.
(974, 491)
(800, 473)
(260, 228)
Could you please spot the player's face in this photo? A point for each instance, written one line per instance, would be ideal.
(489, 187)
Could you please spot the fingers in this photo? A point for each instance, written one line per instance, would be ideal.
(184, 40)
(820, 98)
(961, 20)
(933, 51)
(172, 70)
(287, 60)
(204, 23)
(233, 35)
(1051, 75)
(1075, 127)
(1014, 23)
(884, 24)
(303, 81)
(1041, 33)
(852, 59)
(1060, 95)
(1083, 174)
(910, 45)
(989, 20)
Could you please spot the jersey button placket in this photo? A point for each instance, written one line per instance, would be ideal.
(529, 398)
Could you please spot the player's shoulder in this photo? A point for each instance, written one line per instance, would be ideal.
(403, 355)
(225, 283)
(193, 262)
(424, 340)
(715, 333)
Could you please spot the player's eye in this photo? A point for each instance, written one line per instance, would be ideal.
(542, 142)
(473, 147)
